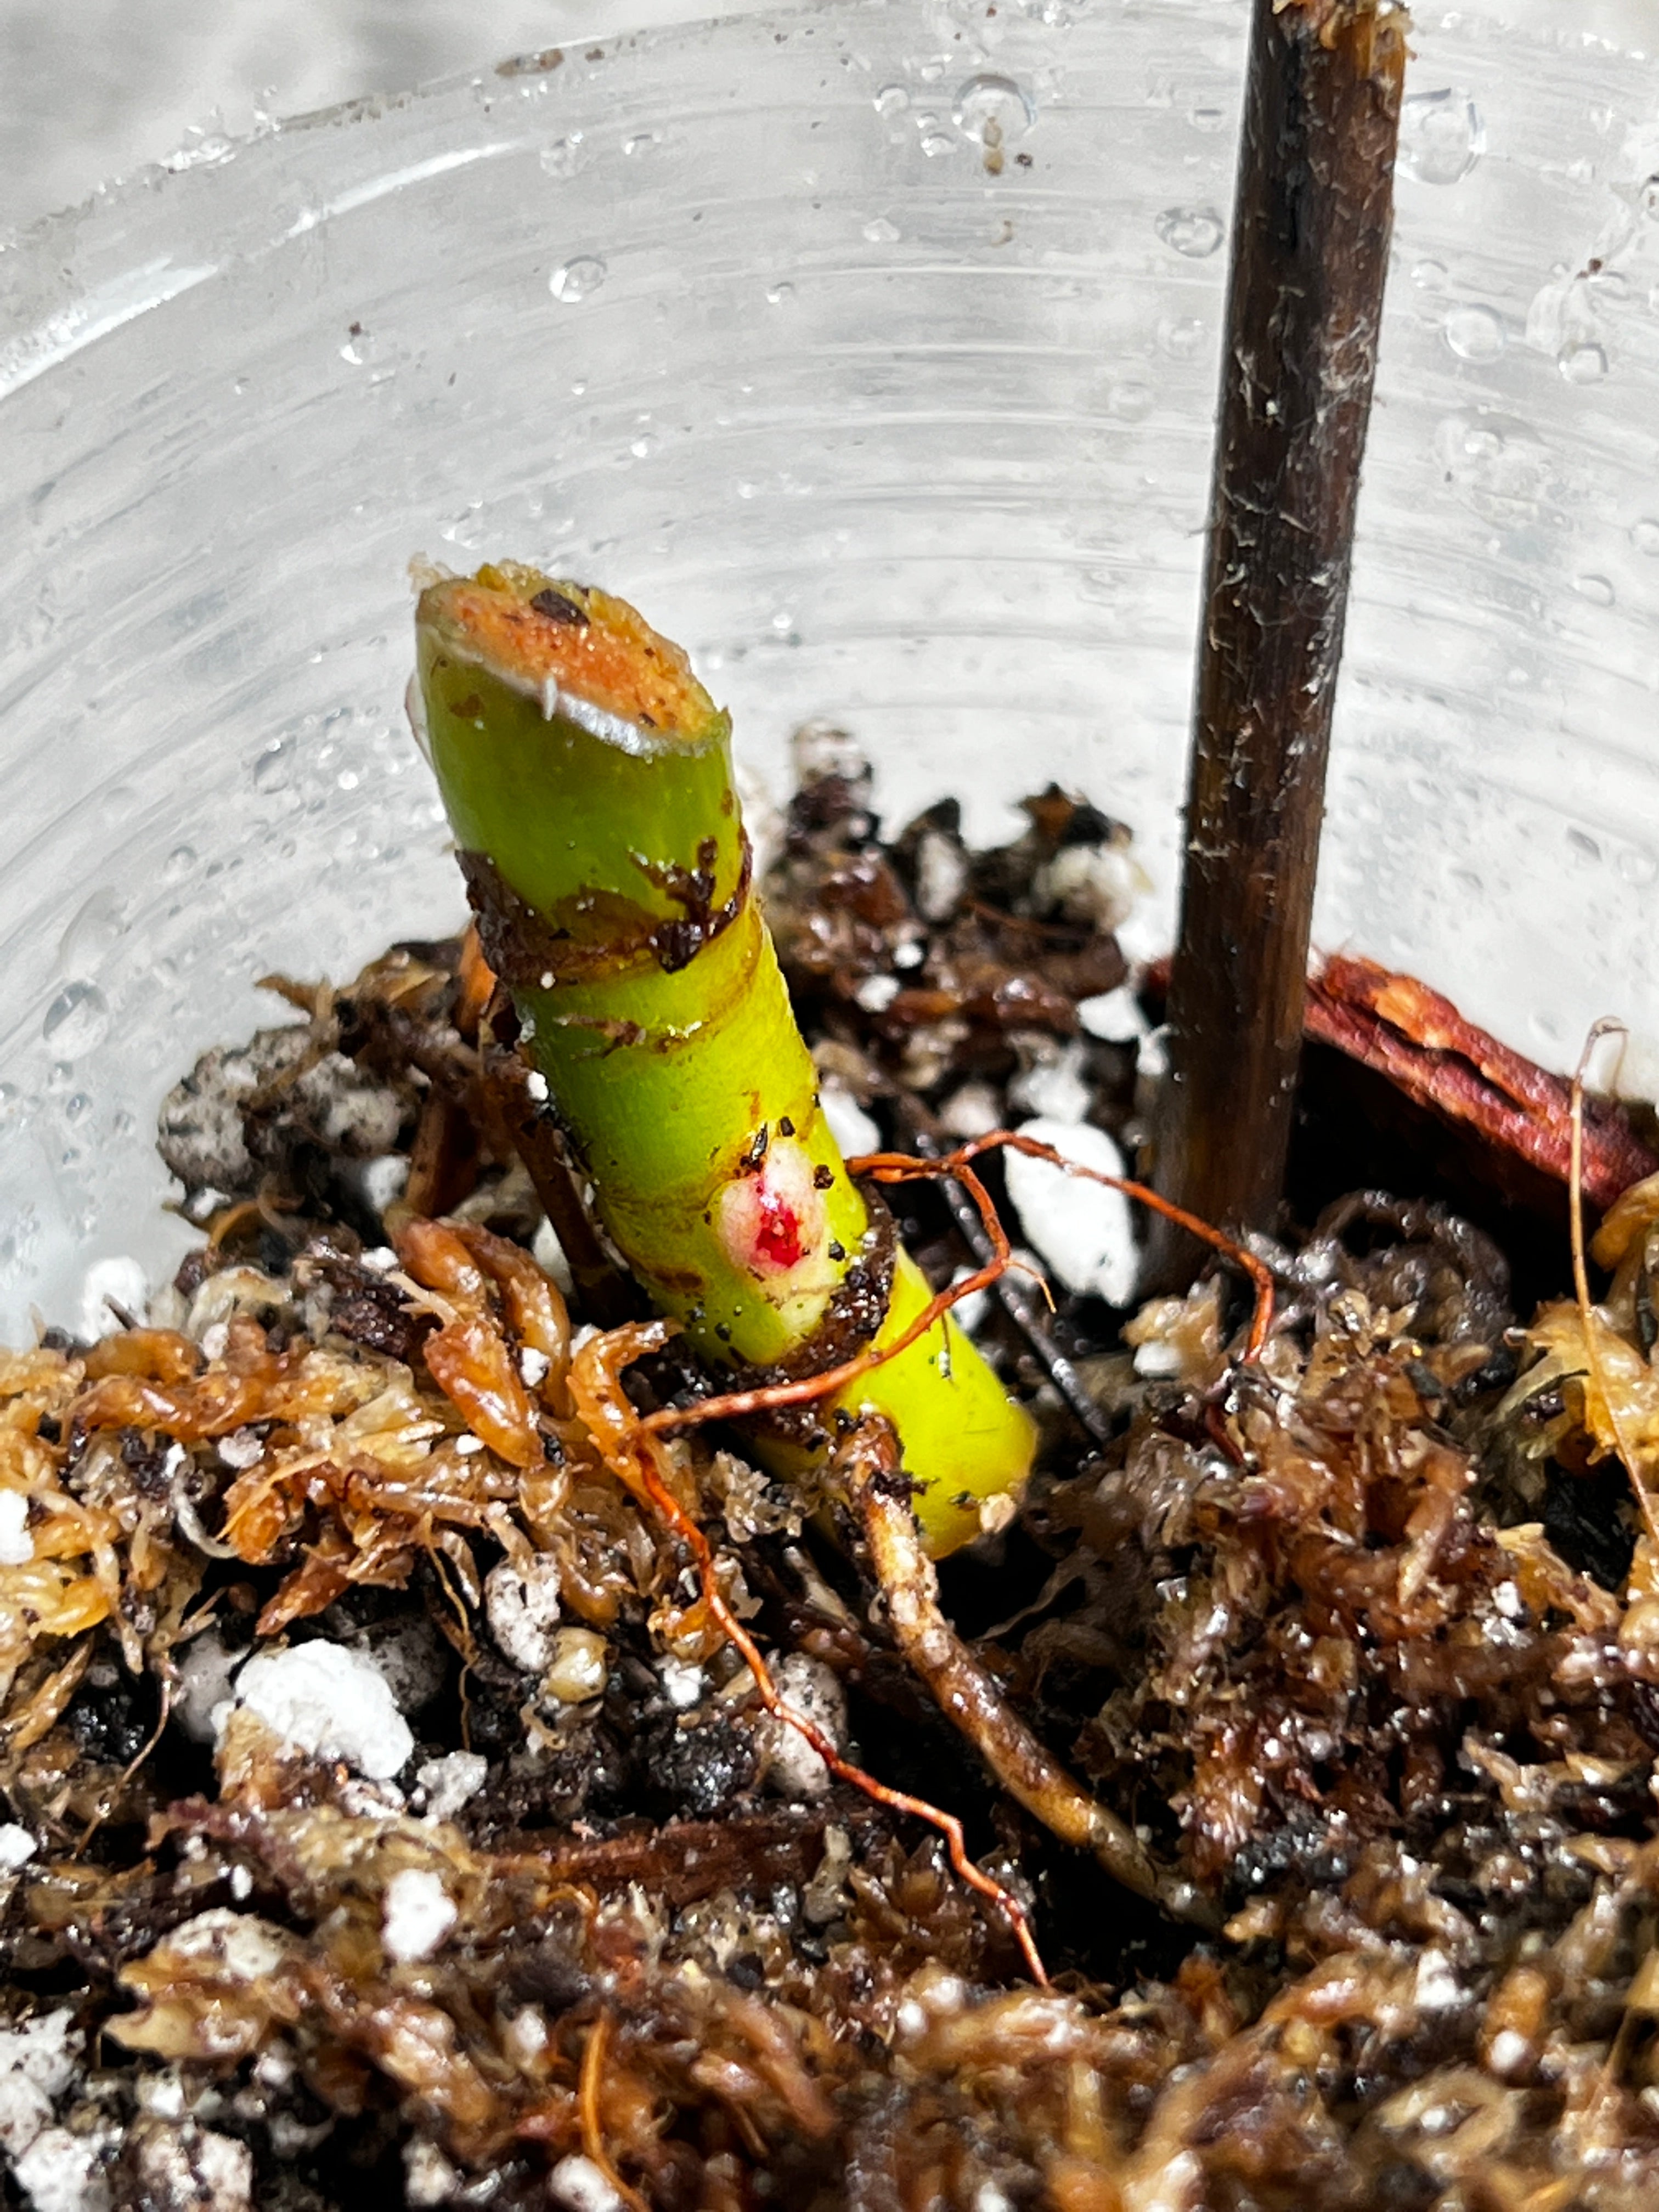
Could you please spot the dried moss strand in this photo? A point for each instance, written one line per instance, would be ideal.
(1589, 1318)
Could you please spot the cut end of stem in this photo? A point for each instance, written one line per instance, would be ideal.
(577, 650)
(1375, 30)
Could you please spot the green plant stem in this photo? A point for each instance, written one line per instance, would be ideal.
(587, 778)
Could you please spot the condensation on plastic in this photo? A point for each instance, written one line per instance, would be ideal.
(737, 320)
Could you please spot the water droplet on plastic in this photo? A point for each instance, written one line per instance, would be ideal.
(77, 1107)
(891, 99)
(1181, 336)
(935, 142)
(992, 111)
(1441, 136)
(1637, 865)
(77, 1021)
(1131, 403)
(359, 348)
(1429, 276)
(1598, 590)
(273, 769)
(779, 295)
(575, 279)
(1582, 363)
(562, 157)
(1644, 535)
(1474, 333)
(641, 141)
(1100, 585)
(1500, 467)
(179, 863)
(1195, 232)
(95, 927)
(880, 232)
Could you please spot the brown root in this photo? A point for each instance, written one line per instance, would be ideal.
(966, 1694)
(632, 1450)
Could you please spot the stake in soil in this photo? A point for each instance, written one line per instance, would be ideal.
(1310, 253)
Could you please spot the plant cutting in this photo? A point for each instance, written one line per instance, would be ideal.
(587, 776)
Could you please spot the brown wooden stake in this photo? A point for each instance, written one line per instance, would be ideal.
(1310, 253)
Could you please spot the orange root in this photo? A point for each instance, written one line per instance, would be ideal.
(631, 1451)
(906, 1167)
(587, 2101)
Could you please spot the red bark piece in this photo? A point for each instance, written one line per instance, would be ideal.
(1426, 1048)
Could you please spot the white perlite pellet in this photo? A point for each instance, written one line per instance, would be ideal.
(193, 2169)
(236, 1946)
(682, 1683)
(449, 1782)
(1054, 1087)
(973, 1111)
(941, 875)
(1080, 1229)
(579, 2185)
(428, 2177)
(793, 1769)
(63, 2170)
(1094, 884)
(56, 2169)
(849, 1125)
(549, 1254)
(16, 1846)
(521, 1605)
(16, 1545)
(418, 1914)
(116, 1282)
(1114, 1017)
(328, 1700)
(37, 2062)
(205, 1671)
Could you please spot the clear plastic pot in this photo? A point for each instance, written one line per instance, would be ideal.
(873, 351)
